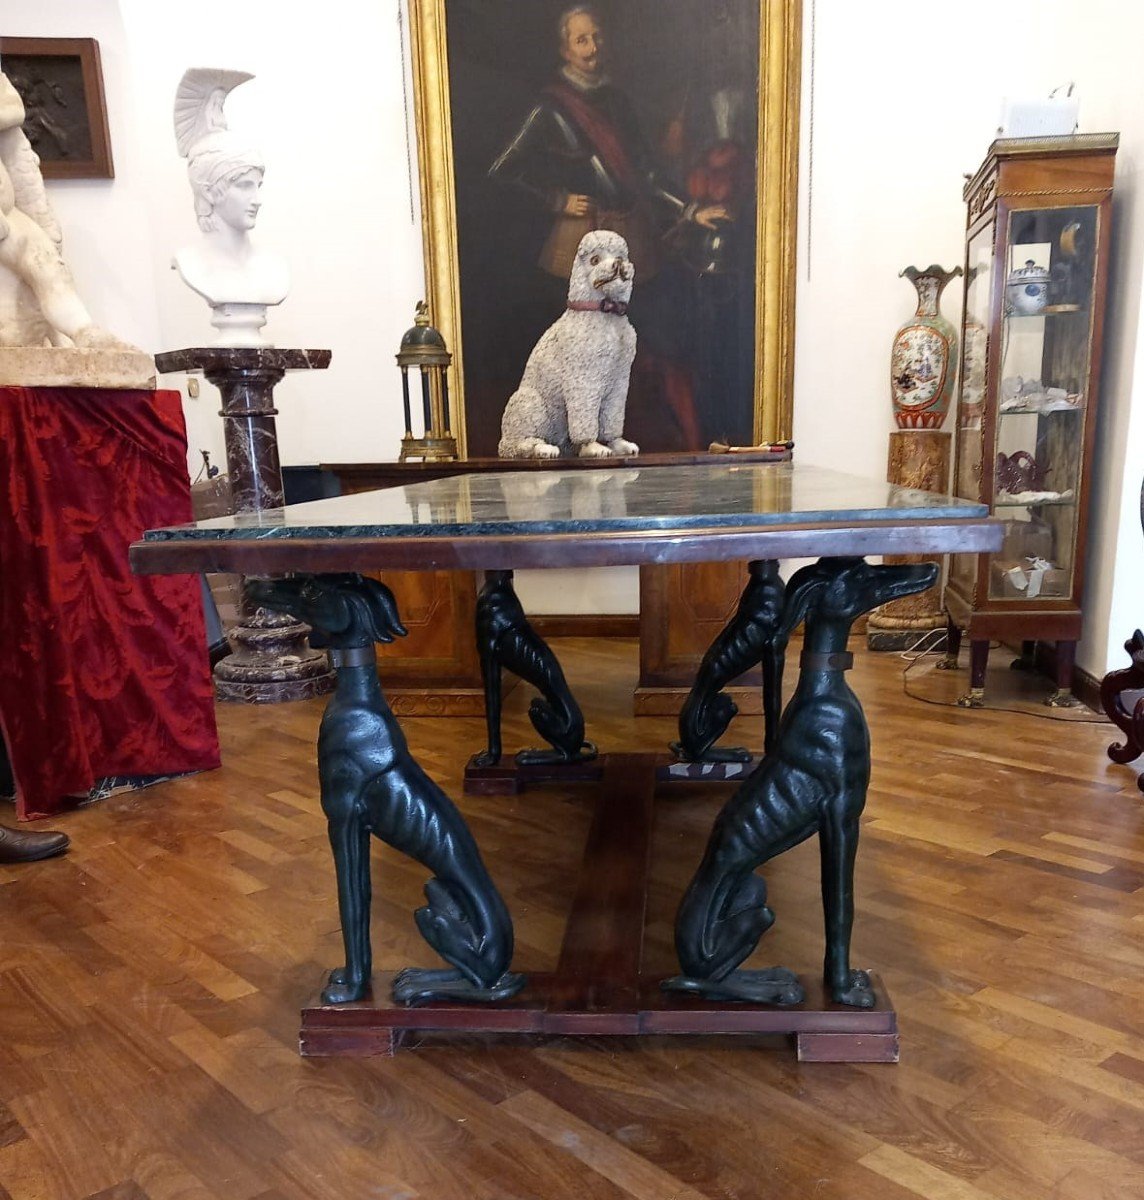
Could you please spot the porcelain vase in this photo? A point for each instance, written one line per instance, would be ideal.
(923, 362)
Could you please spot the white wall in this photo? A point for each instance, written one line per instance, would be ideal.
(107, 223)
(906, 100)
(327, 108)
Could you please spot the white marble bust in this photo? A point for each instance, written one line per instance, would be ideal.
(225, 267)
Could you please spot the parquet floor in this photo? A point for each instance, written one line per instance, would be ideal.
(150, 983)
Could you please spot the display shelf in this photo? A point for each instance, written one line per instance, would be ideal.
(1056, 502)
(1045, 312)
(1037, 243)
(1037, 412)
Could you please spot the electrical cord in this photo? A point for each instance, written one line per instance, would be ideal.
(913, 656)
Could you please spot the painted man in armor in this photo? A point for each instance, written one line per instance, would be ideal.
(581, 155)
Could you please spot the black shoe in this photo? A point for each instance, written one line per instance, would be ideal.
(17, 846)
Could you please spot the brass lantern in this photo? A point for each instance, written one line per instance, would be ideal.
(423, 348)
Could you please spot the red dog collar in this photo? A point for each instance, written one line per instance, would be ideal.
(618, 308)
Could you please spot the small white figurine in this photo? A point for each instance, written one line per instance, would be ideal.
(572, 396)
(236, 279)
(39, 304)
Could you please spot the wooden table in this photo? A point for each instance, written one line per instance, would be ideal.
(496, 523)
(682, 606)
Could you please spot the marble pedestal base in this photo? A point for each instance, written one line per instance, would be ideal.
(907, 639)
(919, 458)
(272, 661)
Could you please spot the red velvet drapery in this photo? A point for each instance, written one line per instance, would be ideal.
(102, 673)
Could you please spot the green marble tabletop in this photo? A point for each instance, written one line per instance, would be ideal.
(568, 502)
(564, 518)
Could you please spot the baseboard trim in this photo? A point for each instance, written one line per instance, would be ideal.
(602, 625)
(1087, 689)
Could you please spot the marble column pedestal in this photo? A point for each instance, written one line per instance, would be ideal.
(919, 458)
(272, 659)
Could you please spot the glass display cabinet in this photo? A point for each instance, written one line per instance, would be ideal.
(1036, 266)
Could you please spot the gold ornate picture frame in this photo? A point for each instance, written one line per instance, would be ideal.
(463, 86)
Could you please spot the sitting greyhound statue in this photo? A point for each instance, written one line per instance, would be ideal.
(813, 781)
(750, 637)
(506, 639)
(370, 783)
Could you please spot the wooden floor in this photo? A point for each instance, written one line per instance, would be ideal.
(150, 983)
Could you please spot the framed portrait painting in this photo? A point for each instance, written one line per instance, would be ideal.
(673, 122)
(61, 84)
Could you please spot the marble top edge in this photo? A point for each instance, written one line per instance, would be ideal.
(256, 532)
(191, 358)
(624, 501)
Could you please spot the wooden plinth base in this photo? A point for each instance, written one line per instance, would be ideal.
(598, 987)
(510, 778)
(674, 771)
(821, 1032)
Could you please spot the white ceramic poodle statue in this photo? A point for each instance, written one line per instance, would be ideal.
(575, 386)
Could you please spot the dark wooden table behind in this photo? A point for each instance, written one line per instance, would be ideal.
(682, 606)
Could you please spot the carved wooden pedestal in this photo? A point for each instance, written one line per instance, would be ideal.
(1122, 696)
(919, 458)
(272, 660)
(598, 987)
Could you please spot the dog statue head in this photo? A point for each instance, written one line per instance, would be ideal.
(602, 270)
(840, 590)
(344, 611)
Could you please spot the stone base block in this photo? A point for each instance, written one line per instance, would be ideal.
(55, 366)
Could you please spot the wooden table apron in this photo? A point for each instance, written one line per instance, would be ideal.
(598, 987)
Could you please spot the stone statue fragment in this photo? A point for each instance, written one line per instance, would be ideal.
(47, 335)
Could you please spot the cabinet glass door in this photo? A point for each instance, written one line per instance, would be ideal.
(971, 397)
(1046, 343)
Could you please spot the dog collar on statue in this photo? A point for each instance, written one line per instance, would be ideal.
(352, 656)
(618, 308)
(840, 660)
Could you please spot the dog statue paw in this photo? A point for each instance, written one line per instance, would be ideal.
(419, 985)
(343, 987)
(536, 448)
(856, 991)
(574, 390)
(772, 985)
